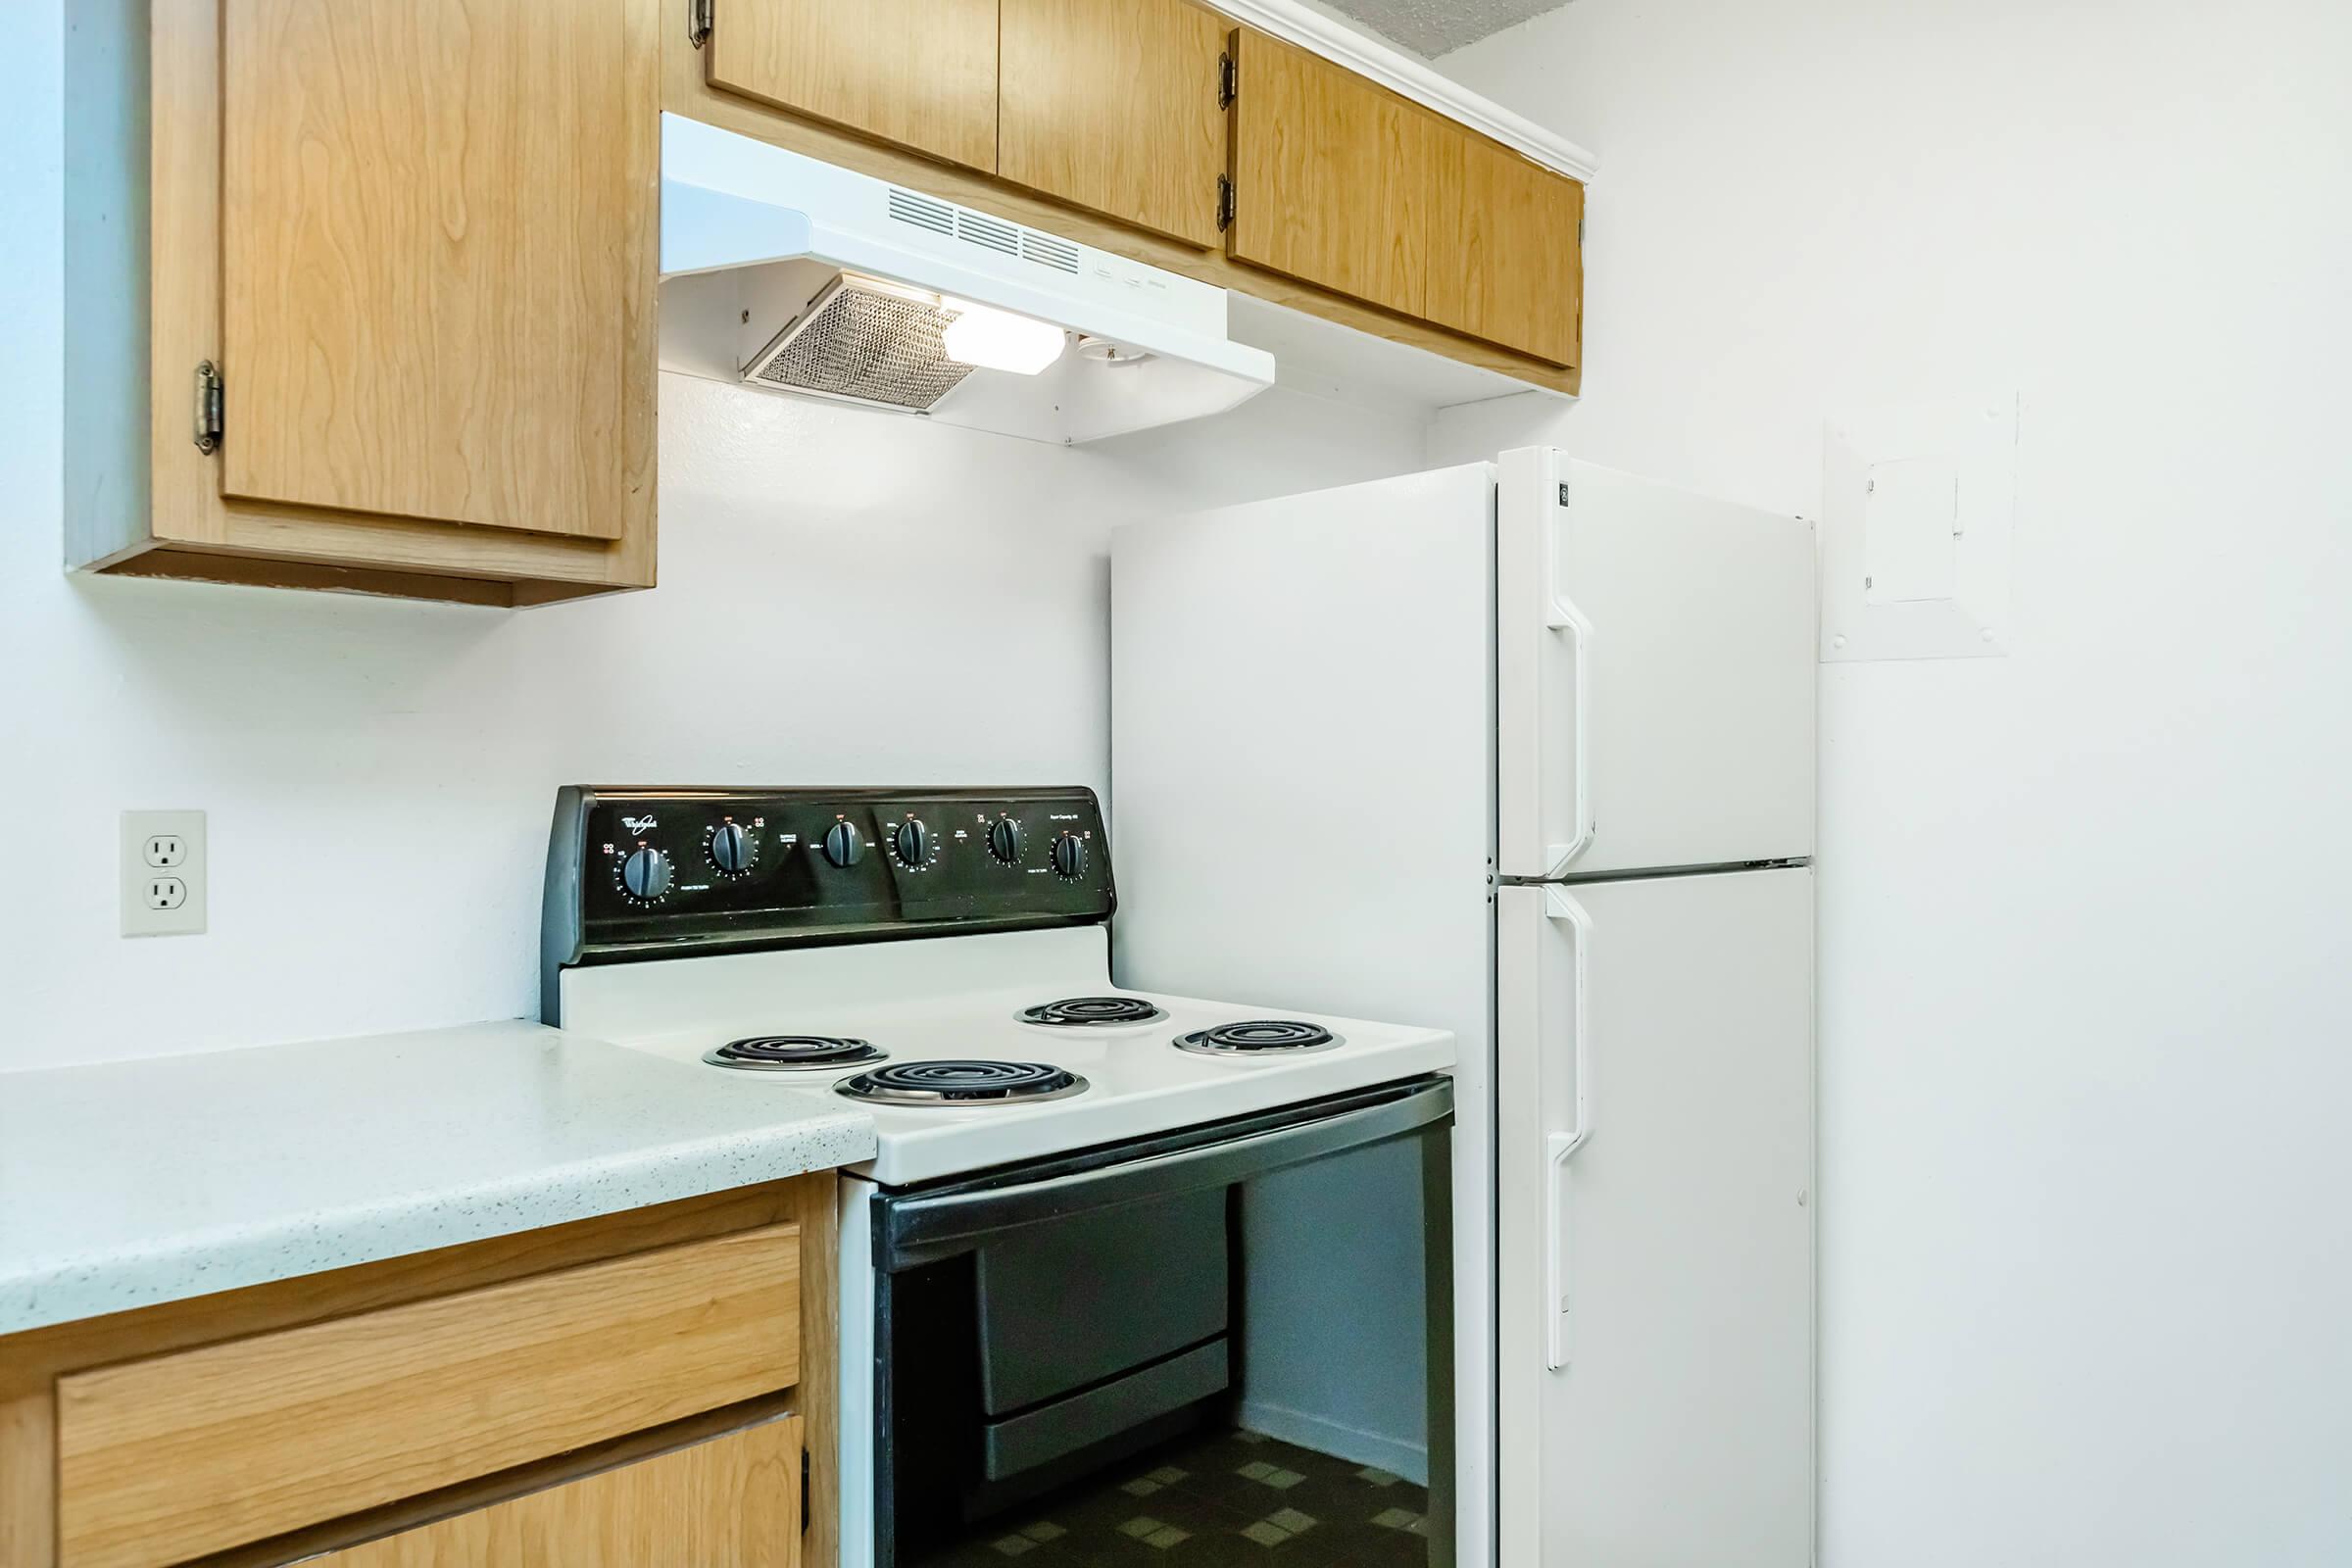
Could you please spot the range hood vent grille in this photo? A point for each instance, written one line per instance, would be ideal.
(923, 212)
(976, 228)
(1005, 238)
(866, 341)
(1047, 251)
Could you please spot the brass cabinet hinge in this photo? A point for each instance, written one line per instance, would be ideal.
(1224, 201)
(697, 22)
(209, 403)
(1228, 80)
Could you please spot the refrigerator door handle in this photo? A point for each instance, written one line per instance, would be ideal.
(1563, 616)
(1561, 1146)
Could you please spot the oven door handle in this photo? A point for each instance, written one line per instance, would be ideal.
(918, 1227)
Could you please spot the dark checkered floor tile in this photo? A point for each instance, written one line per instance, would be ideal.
(1219, 1499)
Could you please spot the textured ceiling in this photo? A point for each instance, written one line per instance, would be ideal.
(1431, 28)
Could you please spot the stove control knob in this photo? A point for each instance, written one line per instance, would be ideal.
(645, 876)
(845, 846)
(1005, 841)
(1069, 856)
(731, 849)
(910, 842)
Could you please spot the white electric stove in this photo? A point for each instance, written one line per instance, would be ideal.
(1055, 1258)
(939, 1039)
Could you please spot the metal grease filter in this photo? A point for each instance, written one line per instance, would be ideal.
(859, 341)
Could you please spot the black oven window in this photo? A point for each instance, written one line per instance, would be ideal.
(1206, 1379)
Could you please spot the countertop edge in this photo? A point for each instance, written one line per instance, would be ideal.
(199, 1263)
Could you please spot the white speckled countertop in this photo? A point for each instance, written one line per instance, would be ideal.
(130, 1183)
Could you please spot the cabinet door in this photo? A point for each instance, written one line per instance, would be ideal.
(918, 73)
(1112, 105)
(1335, 182)
(435, 230)
(1504, 263)
(731, 1502)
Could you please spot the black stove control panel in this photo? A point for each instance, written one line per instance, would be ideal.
(643, 872)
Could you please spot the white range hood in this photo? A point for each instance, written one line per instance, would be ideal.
(792, 275)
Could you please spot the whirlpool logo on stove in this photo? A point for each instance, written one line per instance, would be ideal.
(638, 825)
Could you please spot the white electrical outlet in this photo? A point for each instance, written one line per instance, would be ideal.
(163, 873)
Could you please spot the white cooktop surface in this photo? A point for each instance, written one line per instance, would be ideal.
(949, 997)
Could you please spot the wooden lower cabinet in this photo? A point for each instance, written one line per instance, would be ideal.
(642, 1389)
(161, 1455)
(731, 1502)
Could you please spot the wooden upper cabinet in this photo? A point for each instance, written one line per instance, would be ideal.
(731, 1502)
(1099, 120)
(1343, 183)
(1112, 105)
(431, 239)
(918, 73)
(1335, 182)
(1505, 264)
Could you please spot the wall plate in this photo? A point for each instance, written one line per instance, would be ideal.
(1917, 507)
(162, 868)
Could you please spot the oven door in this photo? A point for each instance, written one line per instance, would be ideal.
(1015, 1343)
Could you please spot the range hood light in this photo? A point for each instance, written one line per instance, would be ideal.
(999, 340)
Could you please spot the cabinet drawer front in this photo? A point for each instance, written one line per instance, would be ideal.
(162, 1459)
(918, 73)
(731, 1502)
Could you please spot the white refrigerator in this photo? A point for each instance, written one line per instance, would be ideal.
(1524, 750)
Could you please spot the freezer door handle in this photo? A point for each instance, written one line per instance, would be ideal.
(1560, 1147)
(1563, 617)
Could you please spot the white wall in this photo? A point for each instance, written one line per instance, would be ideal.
(1335, 1343)
(2087, 1004)
(846, 597)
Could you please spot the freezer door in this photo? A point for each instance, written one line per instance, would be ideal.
(1655, 1081)
(1655, 659)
